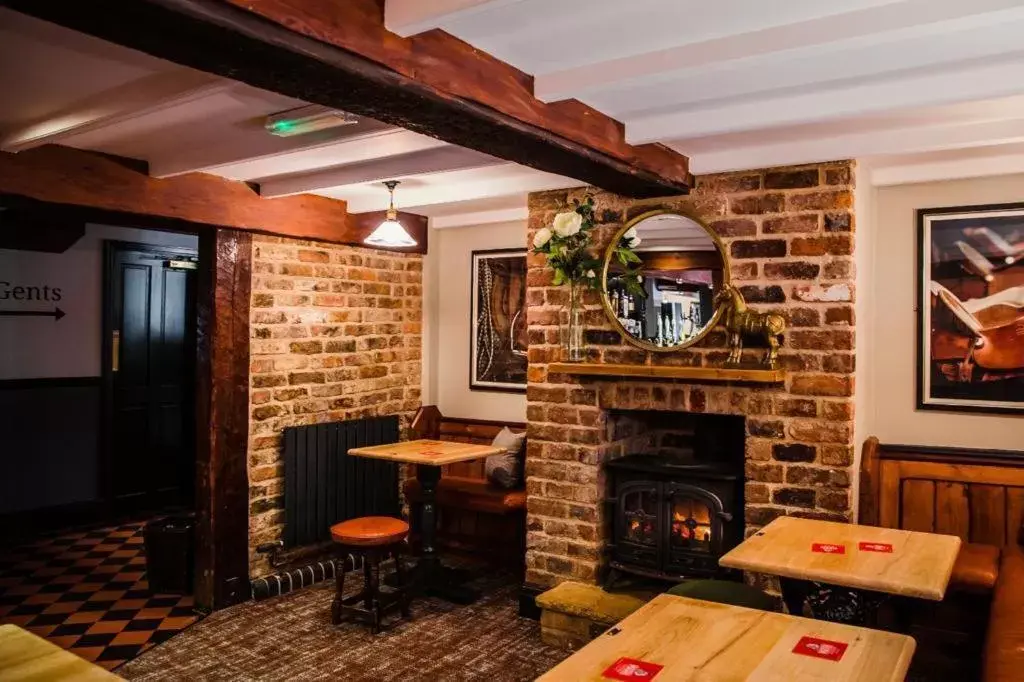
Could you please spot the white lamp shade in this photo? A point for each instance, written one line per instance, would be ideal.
(390, 233)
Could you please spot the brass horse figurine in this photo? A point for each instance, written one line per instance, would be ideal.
(739, 320)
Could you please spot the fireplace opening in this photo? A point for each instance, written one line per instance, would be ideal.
(676, 494)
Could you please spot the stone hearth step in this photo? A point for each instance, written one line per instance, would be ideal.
(574, 613)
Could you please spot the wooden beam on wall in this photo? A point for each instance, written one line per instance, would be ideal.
(222, 412)
(339, 54)
(61, 175)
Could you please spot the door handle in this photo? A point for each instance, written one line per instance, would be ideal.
(115, 351)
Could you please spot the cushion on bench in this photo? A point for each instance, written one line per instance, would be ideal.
(588, 601)
(976, 568)
(469, 493)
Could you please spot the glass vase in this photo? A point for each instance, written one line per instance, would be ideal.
(573, 344)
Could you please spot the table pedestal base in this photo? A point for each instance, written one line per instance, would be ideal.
(845, 605)
(430, 576)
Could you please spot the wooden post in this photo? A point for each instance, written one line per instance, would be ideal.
(222, 403)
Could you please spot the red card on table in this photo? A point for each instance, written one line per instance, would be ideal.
(820, 648)
(631, 669)
(875, 547)
(828, 548)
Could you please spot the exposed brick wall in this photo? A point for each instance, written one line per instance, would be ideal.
(336, 334)
(789, 233)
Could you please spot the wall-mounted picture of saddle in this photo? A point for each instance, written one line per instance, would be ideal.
(498, 326)
(971, 308)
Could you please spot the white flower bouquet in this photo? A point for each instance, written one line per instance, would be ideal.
(566, 244)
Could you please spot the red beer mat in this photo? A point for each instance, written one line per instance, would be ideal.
(632, 669)
(875, 547)
(820, 648)
(828, 548)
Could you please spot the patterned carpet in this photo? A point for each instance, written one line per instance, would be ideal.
(291, 638)
(86, 591)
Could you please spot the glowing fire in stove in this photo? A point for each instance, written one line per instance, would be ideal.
(691, 520)
(638, 529)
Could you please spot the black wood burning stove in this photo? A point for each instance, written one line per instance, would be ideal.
(673, 516)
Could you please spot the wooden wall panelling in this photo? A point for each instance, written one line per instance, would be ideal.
(1014, 514)
(975, 495)
(889, 495)
(867, 509)
(918, 506)
(952, 512)
(963, 473)
(339, 54)
(988, 514)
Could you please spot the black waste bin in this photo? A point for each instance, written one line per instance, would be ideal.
(170, 553)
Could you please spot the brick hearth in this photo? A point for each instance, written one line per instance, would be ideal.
(789, 234)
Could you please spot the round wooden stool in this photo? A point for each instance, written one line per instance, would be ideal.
(374, 538)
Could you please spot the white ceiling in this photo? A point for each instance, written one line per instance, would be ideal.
(738, 84)
(919, 89)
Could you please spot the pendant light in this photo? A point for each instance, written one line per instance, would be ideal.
(390, 233)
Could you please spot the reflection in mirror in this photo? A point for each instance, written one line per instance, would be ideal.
(670, 303)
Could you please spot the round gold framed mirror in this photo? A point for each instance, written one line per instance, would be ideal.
(661, 273)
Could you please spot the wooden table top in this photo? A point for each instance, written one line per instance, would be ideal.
(700, 641)
(887, 560)
(427, 452)
(25, 657)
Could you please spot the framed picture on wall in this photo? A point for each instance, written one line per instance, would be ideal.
(971, 308)
(498, 321)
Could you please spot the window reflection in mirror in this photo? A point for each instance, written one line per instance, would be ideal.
(681, 271)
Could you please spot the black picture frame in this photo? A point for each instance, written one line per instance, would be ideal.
(514, 356)
(945, 300)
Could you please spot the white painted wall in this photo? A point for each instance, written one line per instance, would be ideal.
(892, 318)
(39, 347)
(865, 198)
(447, 303)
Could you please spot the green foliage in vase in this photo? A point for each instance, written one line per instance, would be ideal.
(567, 247)
(630, 278)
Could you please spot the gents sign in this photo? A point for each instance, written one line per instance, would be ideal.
(14, 291)
(56, 313)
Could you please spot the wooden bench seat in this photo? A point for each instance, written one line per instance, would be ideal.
(976, 495)
(472, 494)
(475, 516)
(976, 568)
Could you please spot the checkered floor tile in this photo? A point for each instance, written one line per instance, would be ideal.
(87, 592)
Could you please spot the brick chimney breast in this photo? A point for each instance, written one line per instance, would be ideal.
(789, 233)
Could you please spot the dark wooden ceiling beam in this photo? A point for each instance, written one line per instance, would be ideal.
(339, 54)
(63, 176)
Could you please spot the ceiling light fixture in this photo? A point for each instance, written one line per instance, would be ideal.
(390, 233)
(307, 119)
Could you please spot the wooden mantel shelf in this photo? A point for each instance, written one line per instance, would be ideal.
(738, 374)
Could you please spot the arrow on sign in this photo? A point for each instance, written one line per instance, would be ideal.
(56, 313)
